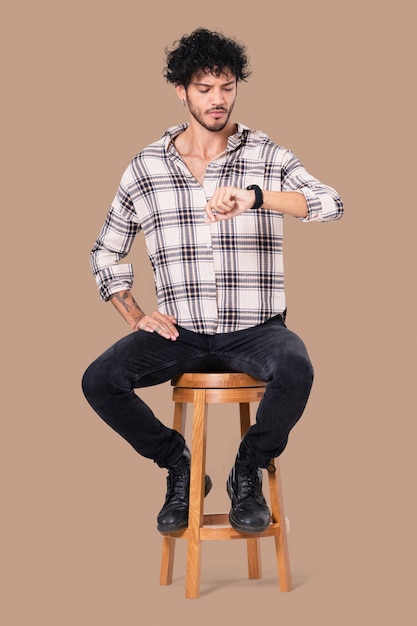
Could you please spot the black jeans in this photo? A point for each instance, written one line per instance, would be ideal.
(269, 352)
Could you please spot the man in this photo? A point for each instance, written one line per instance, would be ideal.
(210, 197)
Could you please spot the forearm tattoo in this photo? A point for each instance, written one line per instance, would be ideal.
(129, 307)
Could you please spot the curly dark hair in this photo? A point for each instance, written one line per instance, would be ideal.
(207, 51)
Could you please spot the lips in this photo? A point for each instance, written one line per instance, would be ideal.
(217, 112)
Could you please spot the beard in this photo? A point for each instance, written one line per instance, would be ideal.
(214, 126)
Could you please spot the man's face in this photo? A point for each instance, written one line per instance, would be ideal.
(211, 99)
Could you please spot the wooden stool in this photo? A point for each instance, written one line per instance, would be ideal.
(201, 390)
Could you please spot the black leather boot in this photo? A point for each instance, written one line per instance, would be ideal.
(174, 514)
(249, 512)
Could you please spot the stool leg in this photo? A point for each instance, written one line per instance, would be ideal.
(281, 542)
(167, 561)
(253, 545)
(195, 513)
(168, 543)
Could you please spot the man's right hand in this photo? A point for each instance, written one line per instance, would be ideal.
(159, 323)
(164, 325)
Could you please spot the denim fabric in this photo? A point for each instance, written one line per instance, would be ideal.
(269, 352)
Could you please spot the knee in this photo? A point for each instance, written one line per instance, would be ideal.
(90, 383)
(104, 379)
(294, 368)
(302, 361)
(98, 380)
(298, 369)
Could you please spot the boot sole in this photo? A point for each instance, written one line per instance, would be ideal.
(171, 528)
(246, 529)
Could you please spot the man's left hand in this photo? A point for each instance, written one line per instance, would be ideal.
(228, 202)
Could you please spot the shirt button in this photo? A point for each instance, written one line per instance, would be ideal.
(208, 245)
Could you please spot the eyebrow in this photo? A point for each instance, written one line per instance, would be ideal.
(200, 84)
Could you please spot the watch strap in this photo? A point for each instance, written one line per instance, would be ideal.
(259, 199)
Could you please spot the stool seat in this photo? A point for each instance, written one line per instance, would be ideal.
(219, 387)
(216, 380)
(202, 389)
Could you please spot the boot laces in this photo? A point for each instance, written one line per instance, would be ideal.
(249, 479)
(177, 480)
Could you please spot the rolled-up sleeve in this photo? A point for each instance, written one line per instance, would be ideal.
(323, 202)
(113, 244)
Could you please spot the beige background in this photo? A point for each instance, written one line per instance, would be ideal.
(83, 92)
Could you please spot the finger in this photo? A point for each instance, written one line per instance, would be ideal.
(219, 204)
(210, 212)
(165, 327)
(167, 333)
(224, 200)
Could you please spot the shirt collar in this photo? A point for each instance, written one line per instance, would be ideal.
(233, 142)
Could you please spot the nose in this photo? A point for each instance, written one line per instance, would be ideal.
(217, 97)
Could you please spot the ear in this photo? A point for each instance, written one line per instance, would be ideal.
(181, 92)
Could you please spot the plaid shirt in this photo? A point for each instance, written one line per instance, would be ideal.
(213, 278)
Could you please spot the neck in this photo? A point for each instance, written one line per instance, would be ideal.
(203, 142)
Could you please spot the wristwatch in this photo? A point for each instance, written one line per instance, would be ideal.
(259, 199)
